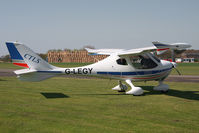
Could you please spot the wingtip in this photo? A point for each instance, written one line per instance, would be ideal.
(156, 42)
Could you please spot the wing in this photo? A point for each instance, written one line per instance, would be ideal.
(162, 47)
(175, 46)
(158, 47)
(137, 51)
(103, 51)
(121, 52)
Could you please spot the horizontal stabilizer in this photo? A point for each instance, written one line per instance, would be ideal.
(32, 75)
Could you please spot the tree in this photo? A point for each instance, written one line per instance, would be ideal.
(43, 56)
(6, 58)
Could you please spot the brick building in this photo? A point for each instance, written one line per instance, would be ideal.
(78, 56)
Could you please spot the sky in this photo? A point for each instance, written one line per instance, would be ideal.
(58, 24)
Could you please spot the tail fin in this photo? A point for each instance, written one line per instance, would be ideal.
(17, 59)
(162, 47)
(25, 57)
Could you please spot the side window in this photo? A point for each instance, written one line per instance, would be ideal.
(142, 62)
(121, 61)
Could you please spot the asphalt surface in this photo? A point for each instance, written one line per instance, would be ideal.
(182, 78)
(171, 78)
(7, 72)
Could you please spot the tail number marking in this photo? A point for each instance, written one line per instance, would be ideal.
(79, 71)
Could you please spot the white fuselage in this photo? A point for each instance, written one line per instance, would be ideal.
(109, 68)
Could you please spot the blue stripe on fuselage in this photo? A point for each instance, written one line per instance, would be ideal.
(120, 73)
(50, 71)
(13, 51)
(134, 73)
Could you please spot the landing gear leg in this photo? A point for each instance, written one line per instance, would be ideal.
(121, 87)
(134, 90)
(161, 87)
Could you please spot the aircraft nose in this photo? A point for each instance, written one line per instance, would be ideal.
(174, 64)
(167, 64)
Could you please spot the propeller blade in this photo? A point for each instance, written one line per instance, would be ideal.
(177, 71)
(175, 67)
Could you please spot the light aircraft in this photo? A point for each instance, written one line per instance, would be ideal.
(124, 65)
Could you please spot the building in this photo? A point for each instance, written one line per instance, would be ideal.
(68, 56)
(191, 54)
(186, 60)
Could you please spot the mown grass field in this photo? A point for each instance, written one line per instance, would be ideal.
(187, 69)
(64, 105)
(68, 105)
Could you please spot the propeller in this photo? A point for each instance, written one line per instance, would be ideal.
(175, 67)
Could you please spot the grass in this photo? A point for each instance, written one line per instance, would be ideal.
(184, 68)
(187, 69)
(8, 65)
(63, 105)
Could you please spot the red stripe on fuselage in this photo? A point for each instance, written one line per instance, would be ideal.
(21, 64)
(149, 77)
(162, 49)
(152, 77)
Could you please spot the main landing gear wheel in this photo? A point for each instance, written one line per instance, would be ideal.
(121, 87)
(161, 87)
(136, 91)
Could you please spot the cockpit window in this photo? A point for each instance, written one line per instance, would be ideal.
(121, 61)
(142, 62)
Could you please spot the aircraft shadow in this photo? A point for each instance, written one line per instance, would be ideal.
(51, 95)
(98, 94)
(190, 95)
(2, 80)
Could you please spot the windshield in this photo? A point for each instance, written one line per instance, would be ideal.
(142, 62)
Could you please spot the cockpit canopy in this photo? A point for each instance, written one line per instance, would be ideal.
(144, 61)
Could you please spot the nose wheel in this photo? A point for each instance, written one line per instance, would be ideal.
(137, 91)
(161, 87)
